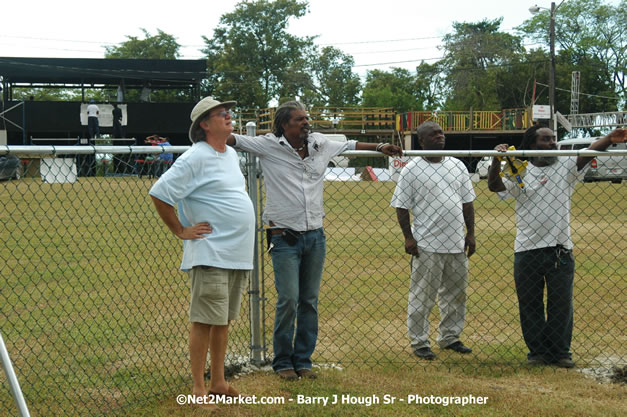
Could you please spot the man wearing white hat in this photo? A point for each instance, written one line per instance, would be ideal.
(217, 224)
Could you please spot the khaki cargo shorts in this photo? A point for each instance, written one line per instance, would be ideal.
(216, 294)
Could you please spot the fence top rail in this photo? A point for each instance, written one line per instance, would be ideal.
(88, 149)
(520, 153)
(66, 150)
(466, 111)
(78, 139)
(479, 153)
(337, 109)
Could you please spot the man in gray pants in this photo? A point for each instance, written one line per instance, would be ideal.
(439, 193)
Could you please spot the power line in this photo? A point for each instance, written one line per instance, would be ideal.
(389, 51)
(47, 48)
(106, 44)
(414, 49)
(509, 64)
(60, 40)
(381, 41)
(203, 45)
(394, 40)
(584, 94)
(397, 62)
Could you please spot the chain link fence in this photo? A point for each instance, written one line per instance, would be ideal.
(93, 307)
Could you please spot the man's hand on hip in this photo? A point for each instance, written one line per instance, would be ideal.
(197, 231)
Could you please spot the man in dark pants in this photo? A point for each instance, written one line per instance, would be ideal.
(117, 122)
(93, 125)
(543, 248)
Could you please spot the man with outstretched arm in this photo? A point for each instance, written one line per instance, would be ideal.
(543, 249)
(294, 160)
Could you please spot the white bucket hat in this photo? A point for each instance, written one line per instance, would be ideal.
(203, 107)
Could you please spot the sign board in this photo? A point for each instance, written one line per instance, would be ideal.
(541, 111)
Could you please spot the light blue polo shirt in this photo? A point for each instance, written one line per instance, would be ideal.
(208, 186)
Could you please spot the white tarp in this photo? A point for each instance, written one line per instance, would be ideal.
(382, 174)
(348, 174)
(340, 174)
(105, 118)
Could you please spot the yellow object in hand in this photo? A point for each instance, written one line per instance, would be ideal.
(513, 169)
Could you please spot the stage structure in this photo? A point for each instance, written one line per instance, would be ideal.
(129, 83)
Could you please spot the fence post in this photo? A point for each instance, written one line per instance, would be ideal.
(13, 382)
(254, 293)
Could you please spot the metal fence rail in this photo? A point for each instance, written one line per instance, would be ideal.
(93, 308)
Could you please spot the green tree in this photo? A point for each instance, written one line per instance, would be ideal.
(431, 85)
(335, 83)
(251, 56)
(515, 81)
(397, 89)
(43, 94)
(298, 82)
(474, 55)
(591, 37)
(159, 46)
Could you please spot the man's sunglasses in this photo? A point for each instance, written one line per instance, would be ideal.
(223, 114)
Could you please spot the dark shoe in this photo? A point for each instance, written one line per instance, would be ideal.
(564, 363)
(288, 375)
(306, 373)
(536, 361)
(425, 353)
(459, 347)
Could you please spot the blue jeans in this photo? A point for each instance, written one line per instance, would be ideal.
(297, 276)
(547, 336)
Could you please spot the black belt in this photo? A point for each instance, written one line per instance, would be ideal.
(289, 235)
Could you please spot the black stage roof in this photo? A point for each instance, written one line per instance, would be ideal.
(134, 72)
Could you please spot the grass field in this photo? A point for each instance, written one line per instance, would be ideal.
(94, 310)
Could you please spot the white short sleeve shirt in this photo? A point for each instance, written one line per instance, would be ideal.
(543, 209)
(92, 110)
(435, 192)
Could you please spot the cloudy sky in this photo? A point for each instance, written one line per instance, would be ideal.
(379, 35)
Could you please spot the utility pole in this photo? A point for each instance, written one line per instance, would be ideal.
(552, 122)
(574, 96)
(534, 10)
